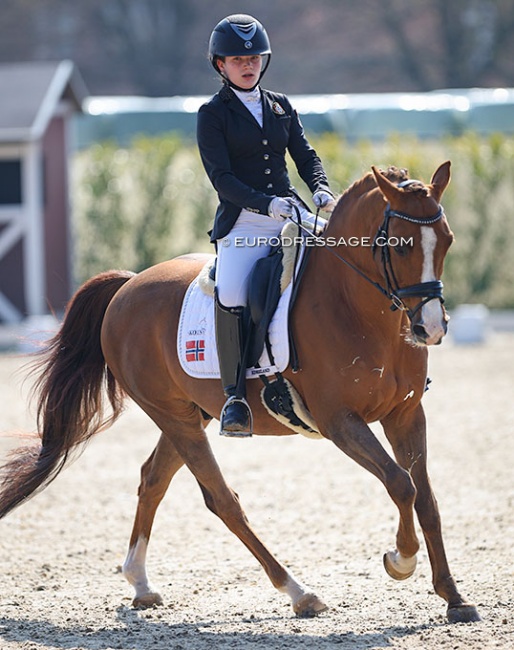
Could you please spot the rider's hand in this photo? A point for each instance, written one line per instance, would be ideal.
(322, 199)
(280, 208)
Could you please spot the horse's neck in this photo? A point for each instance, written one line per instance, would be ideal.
(354, 223)
(346, 300)
(337, 269)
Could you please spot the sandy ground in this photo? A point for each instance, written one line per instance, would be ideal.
(325, 517)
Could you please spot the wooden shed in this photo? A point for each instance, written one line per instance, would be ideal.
(37, 101)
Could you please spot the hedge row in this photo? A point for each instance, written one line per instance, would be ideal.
(138, 206)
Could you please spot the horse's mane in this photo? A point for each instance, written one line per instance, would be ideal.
(394, 174)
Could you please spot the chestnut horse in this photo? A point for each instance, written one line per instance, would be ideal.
(380, 303)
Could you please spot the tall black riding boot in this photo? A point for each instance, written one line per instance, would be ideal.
(236, 416)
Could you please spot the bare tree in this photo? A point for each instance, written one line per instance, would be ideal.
(455, 44)
(150, 37)
(158, 47)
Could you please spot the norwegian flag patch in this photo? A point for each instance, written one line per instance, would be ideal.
(195, 350)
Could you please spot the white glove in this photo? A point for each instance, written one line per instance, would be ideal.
(321, 198)
(280, 208)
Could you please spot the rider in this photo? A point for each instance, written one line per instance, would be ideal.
(243, 133)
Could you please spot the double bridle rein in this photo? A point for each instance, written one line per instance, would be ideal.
(425, 290)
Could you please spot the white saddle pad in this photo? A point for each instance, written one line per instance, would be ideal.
(196, 340)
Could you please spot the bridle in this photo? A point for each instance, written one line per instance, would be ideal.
(427, 291)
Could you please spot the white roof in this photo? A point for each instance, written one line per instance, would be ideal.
(31, 94)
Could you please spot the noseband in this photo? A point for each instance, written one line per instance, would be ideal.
(425, 290)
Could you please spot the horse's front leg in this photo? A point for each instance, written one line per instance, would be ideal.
(353, 436)
(408, 439)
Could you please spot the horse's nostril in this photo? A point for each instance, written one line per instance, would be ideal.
(419, 332)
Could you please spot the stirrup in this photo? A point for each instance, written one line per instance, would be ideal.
(236, 434)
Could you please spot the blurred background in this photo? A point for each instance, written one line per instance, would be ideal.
(388, 83)
(158, 47)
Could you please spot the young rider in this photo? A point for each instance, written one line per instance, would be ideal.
(243, 134)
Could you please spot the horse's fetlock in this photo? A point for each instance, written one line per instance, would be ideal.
(446, 588)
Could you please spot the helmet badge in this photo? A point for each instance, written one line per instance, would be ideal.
(246, 32)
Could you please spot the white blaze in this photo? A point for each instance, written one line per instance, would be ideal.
(431, 313)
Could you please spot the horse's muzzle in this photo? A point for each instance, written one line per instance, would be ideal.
(431, 326)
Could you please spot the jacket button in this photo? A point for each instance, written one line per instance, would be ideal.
(267, 171)
(264, 142)
(266, 156)
(269, 186)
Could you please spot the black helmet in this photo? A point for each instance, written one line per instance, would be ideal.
(239, 35)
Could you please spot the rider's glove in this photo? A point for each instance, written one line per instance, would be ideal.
(322, 199)
(280, 208)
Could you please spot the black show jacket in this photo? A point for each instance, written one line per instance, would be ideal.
(246, 163)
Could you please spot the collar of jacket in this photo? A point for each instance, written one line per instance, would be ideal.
(226, 93)
(229, 97)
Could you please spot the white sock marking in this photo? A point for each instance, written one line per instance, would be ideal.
(134, 567)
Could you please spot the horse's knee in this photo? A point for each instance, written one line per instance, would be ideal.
(401, 488)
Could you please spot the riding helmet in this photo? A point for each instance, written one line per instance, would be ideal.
(239, 35)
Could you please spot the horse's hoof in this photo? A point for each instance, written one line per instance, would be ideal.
(399, 567)
(147, 600)
(466, 613)
(309, 606)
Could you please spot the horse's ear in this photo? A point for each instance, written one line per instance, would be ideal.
(440, 180)
(388, 189)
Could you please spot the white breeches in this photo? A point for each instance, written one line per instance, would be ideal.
(246, 243)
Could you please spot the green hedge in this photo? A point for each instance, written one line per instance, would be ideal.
(138, 206)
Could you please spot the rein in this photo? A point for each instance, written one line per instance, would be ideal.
(425, 290)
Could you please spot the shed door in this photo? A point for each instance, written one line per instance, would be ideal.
(12, 302)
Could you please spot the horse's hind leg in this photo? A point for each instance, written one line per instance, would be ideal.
(191, 442)
(409, 445)
(156, 474)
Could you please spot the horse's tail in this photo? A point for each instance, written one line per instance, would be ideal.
(69, 392)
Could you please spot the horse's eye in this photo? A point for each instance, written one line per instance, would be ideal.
(401, 250)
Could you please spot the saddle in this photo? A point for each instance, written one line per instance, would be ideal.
(278, 395)
(264, 291)
(269, 277)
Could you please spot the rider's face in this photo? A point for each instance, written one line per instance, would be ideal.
(242, 71)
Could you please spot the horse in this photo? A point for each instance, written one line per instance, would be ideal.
(367, 309)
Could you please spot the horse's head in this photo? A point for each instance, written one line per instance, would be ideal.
(410, 247)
